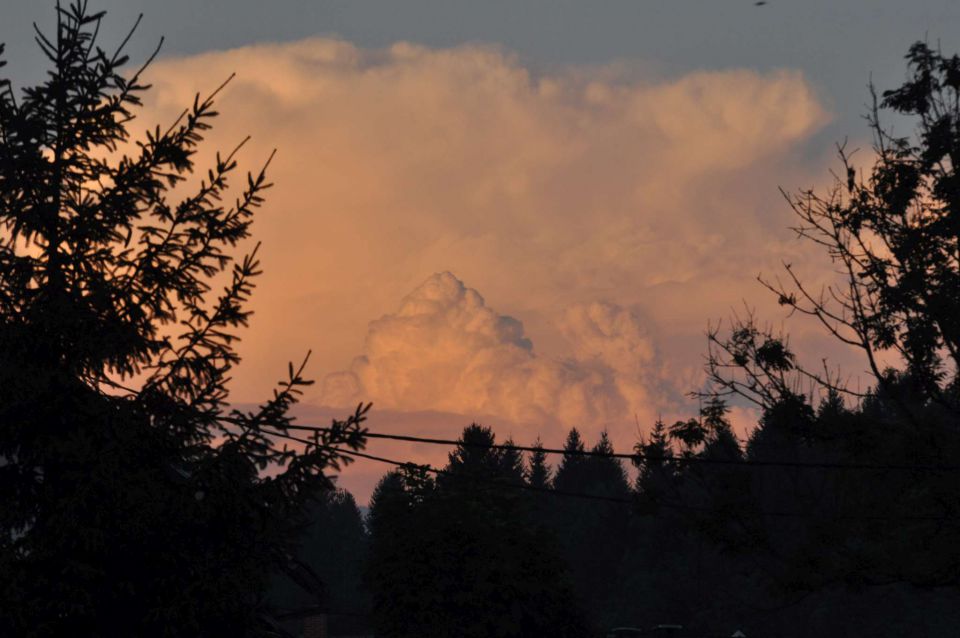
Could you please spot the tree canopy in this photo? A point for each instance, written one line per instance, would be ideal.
(463, 555)
(134, 498)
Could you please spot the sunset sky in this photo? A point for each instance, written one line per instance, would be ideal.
(519, 213)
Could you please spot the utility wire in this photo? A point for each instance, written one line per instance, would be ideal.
(824, 465)
(599, 497)
(438, 472)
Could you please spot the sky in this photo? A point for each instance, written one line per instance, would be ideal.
(517, 213)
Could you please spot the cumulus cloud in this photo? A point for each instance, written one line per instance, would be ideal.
(446, 350)
(613, 213)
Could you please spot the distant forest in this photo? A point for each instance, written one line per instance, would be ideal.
(137, 502)
(822, 523)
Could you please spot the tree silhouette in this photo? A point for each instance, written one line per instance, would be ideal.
(655, 470)
(333, 545)
(893, 234)
(606, 475)
(511, 463)
(538, 472)
(464, 556)
(475, 457)
(569, 476)
(593, 531)
(892, 230)
(133, 498)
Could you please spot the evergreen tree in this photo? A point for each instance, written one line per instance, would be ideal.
(832, 408)
(475, 462)
(605, 475)
(570, 475)
(538, 472)
(511, 463)
(466, 558)
(599, 530)
(132, 499)
(332, 549)
(721, 443)
(401, 566)
(690, 433)
(655, 470)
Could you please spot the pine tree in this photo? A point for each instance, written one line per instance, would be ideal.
(605, 474)
(570, 475)
(591, 532)
(132, 496)
(538, 472)
(332, 548)
(465, 559)
(721, 442)
(474, 458)
(511, 463)
(653, 459)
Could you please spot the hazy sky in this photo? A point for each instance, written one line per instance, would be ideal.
(837, 43)
(519, 212)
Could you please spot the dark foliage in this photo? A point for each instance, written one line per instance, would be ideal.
(133, 500)
(331, 548)
(462, 556)
(538, 473)
(820, 534)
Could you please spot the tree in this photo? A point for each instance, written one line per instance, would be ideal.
(894, 235)
(332, 545)
(511, 463)
(399, 562)
(606, 474)
(569, 475)
(893, 232)
(538, 472)
(476, 459)
(655, 473)
(462, 556)
(595, 531)
(133, 498)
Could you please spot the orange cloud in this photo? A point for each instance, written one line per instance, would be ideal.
(446, 350)
(611, 215)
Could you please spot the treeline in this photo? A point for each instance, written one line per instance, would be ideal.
(829, 520)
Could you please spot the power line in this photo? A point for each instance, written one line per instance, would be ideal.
(438, 472)
(825, 465)
(599, 497)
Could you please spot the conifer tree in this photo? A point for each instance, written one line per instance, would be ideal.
(538, 472)
(511, 463)
(466, 558)
(133, 502)
(721, 442)
(475, 457)
(653, 460)
(333, 545)
(569, 476)
(606, 474)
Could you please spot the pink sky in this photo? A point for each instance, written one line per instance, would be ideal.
(459, 237)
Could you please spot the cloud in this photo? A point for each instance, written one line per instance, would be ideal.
(613, 213)
(446, 350)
